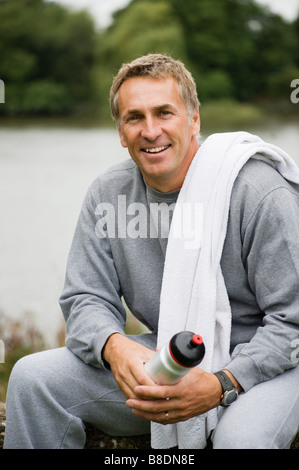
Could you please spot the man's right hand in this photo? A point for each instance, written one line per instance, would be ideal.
(126, 359)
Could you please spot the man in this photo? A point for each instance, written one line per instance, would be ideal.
(100, 377)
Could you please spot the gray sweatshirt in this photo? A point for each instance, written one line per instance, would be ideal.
(118, 251)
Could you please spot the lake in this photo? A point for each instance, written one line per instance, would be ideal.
(45, 173)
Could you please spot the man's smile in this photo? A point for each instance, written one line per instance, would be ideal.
(156, 149)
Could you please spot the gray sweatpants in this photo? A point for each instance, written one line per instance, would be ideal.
(51, 394)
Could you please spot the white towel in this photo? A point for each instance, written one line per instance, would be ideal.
(193, 295)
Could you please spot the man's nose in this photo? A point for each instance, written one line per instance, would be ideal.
(151, 129)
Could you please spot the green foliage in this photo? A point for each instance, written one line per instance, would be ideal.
(20, 339)
(53, 61)
(226, 114)
(215, 84)
(145, 26)
(38, 97)
(245, 41)
(235, 49)
(47, 54)
(296, 52)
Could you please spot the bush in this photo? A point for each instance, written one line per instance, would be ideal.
(45, 96)
(20, 338)
(229, 114)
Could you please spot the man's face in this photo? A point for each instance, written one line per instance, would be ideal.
(156, 129)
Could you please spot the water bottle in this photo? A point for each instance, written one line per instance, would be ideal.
(184, 351)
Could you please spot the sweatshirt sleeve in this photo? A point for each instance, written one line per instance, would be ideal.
(91, 299)
(271, 259)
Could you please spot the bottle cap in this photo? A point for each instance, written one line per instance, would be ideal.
(196, 339)
(187, 348)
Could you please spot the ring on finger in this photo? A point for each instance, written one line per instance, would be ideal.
(166, 417)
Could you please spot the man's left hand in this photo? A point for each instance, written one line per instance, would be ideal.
(195, 393)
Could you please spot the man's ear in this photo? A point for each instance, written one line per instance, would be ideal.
(122, 139)
(195, 123)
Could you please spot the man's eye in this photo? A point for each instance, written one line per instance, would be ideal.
(164, 113)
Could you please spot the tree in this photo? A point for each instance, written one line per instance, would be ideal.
(239, 39)
(47, 55)
(296, 29)
(144, 26)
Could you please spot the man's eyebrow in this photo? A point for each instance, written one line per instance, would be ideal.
(161, 107)
(132, 111)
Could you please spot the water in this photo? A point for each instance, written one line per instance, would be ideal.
(44, 176)
(43, 179)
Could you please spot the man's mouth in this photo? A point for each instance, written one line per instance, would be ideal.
(156, 149)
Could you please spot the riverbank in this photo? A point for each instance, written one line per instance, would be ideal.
(221, 114)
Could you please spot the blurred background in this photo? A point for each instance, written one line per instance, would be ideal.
(57, 61)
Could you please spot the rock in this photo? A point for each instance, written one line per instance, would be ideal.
(96, 439)
(295, 444)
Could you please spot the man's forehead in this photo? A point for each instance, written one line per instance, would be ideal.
(139, 91)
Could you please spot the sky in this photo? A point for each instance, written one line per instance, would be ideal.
(101, 9)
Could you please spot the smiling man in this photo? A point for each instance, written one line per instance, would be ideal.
(156, 128)
(99, 377)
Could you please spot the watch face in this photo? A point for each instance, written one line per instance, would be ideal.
(229, 397)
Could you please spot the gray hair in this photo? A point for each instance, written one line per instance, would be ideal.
(156, 66)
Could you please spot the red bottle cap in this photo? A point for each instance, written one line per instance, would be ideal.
(197, 339)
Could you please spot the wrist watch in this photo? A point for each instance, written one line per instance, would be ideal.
(229, 391)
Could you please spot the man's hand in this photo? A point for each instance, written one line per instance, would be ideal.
(196, 393)
(126, 359)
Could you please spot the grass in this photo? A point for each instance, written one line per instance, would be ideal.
(20, 338)
(227, 115)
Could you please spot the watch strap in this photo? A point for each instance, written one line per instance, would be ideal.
(229, 391)
(224, 380)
